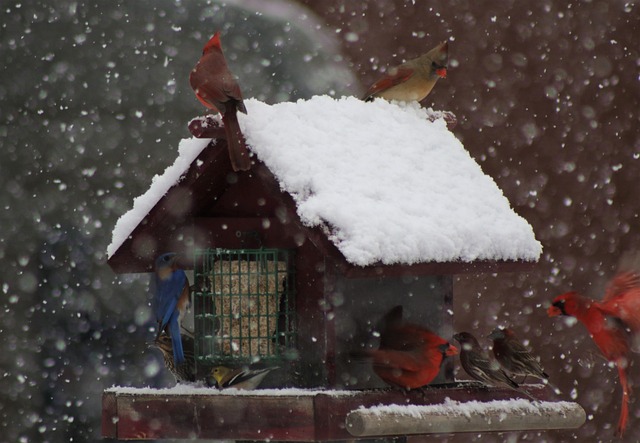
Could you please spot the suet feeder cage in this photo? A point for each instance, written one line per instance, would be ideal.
(270, 287)
(244, 306)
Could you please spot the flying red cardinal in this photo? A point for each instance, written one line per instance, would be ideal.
(609, 323)
(414, 79)
(409, 356)
(217, 89)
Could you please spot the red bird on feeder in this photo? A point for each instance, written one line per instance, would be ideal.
(216, 88)
(409, 356)
(414, 79)
(611, 323)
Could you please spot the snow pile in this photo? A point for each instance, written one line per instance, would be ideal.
(385, 183)
(468, 409)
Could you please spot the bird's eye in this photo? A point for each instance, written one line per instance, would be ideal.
(560, 305)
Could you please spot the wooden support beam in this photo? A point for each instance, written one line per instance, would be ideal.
(464, 417)
(320, 415)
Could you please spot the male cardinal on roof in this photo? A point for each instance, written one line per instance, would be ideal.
(610, 323)
(414, 79)
(216, 87)
(409, 355)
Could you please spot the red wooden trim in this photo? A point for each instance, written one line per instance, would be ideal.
(447, 268)
(263, 417)
(109, 415)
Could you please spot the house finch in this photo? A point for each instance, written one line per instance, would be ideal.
(479, 366)
(414, 79)
(513, 356)
(216, 88)
(609, 323)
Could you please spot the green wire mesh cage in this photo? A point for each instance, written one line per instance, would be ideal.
(244, 308)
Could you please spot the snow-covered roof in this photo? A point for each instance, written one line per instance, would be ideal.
(385, 183)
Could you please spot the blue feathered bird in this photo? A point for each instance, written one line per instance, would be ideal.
(171, 298)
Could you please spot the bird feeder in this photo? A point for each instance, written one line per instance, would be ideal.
(296, 260)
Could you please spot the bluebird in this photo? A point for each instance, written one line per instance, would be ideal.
(171, 298)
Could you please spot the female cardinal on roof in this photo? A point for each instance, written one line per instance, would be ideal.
(414, 79)
(409, 355)
(217, 89)
(611, 323)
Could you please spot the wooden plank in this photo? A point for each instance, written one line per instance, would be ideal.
(147, 417)
(308, 417)
(446, 268)
(109, 415)
(493, 418)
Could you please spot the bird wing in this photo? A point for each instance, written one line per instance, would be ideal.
(622, 300)
(394, 77)
(167, 294)
(384, 358)
(620, 285)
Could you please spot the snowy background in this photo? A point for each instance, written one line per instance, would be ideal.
(94, 100)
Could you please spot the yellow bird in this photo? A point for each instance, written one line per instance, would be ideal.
(240, 378)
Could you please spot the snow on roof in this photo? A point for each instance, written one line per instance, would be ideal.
(385, 183)
(188, 150)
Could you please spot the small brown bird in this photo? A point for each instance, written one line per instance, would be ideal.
(217, 88)
(513, 356)
(479, 366)
(186, 371)
(240, 378)
(414, 79)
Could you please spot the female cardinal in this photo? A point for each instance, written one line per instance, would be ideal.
(414, 79)
(479, 366)
(607, 322)
(409, 356)
(217, 89)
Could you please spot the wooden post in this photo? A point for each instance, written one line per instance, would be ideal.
(493, 417)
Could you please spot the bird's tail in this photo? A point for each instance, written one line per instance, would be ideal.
(238, 152)
(624, 408)
(176, 341)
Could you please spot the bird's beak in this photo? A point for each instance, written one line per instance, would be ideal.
(554, 311)
(451, 351)
(442, 72)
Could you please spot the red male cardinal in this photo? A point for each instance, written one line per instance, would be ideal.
(609, 322)
(409, 356)
(479, 366)
(414, 79)
(217, 89)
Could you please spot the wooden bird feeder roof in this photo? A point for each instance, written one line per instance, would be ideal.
(396, 225)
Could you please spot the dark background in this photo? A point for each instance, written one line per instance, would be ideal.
(94, 98)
